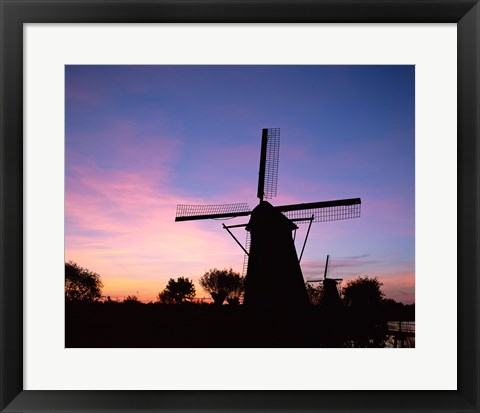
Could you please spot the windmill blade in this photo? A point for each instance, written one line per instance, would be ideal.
(321, 280)
(326, 266)
(193, 212)
(245, 257)
(269, 156)
(322, 211)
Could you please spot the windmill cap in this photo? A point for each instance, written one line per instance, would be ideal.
(265, 215)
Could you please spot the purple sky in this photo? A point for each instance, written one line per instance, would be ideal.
(142, 139)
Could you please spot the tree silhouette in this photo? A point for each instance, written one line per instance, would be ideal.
(81, 284)
(223, 284)
(363, 297)
(176, 292)
(363, 293)
(315, 294)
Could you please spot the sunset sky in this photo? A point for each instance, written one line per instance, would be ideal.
(142, 139)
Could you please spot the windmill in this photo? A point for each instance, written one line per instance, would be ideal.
(274, 276)
(330, 296)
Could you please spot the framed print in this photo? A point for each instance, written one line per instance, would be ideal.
(122, 119)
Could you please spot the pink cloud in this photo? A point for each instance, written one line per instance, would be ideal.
(126, 145)
(121, 225)
(399, 286)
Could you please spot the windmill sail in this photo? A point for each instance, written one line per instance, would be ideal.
(325, 274)
(322, 211)
(269, 156)
(193, 212)
(245, 257)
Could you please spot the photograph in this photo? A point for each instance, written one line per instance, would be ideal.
(240, 206)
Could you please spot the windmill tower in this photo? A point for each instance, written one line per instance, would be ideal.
(274, 276)
(330, 296)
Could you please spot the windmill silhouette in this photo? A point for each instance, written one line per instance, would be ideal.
(330, 296)
(274, 276)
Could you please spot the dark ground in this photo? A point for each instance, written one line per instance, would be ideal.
(195, 325)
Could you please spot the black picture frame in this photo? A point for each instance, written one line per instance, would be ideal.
(14, 13)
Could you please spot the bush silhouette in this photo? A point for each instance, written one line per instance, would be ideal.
(315, 294)
(131, 299)
(363, 293)
(223, 284)
(177, 291)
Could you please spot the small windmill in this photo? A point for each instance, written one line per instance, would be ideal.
(330, 296)
(274, 276)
